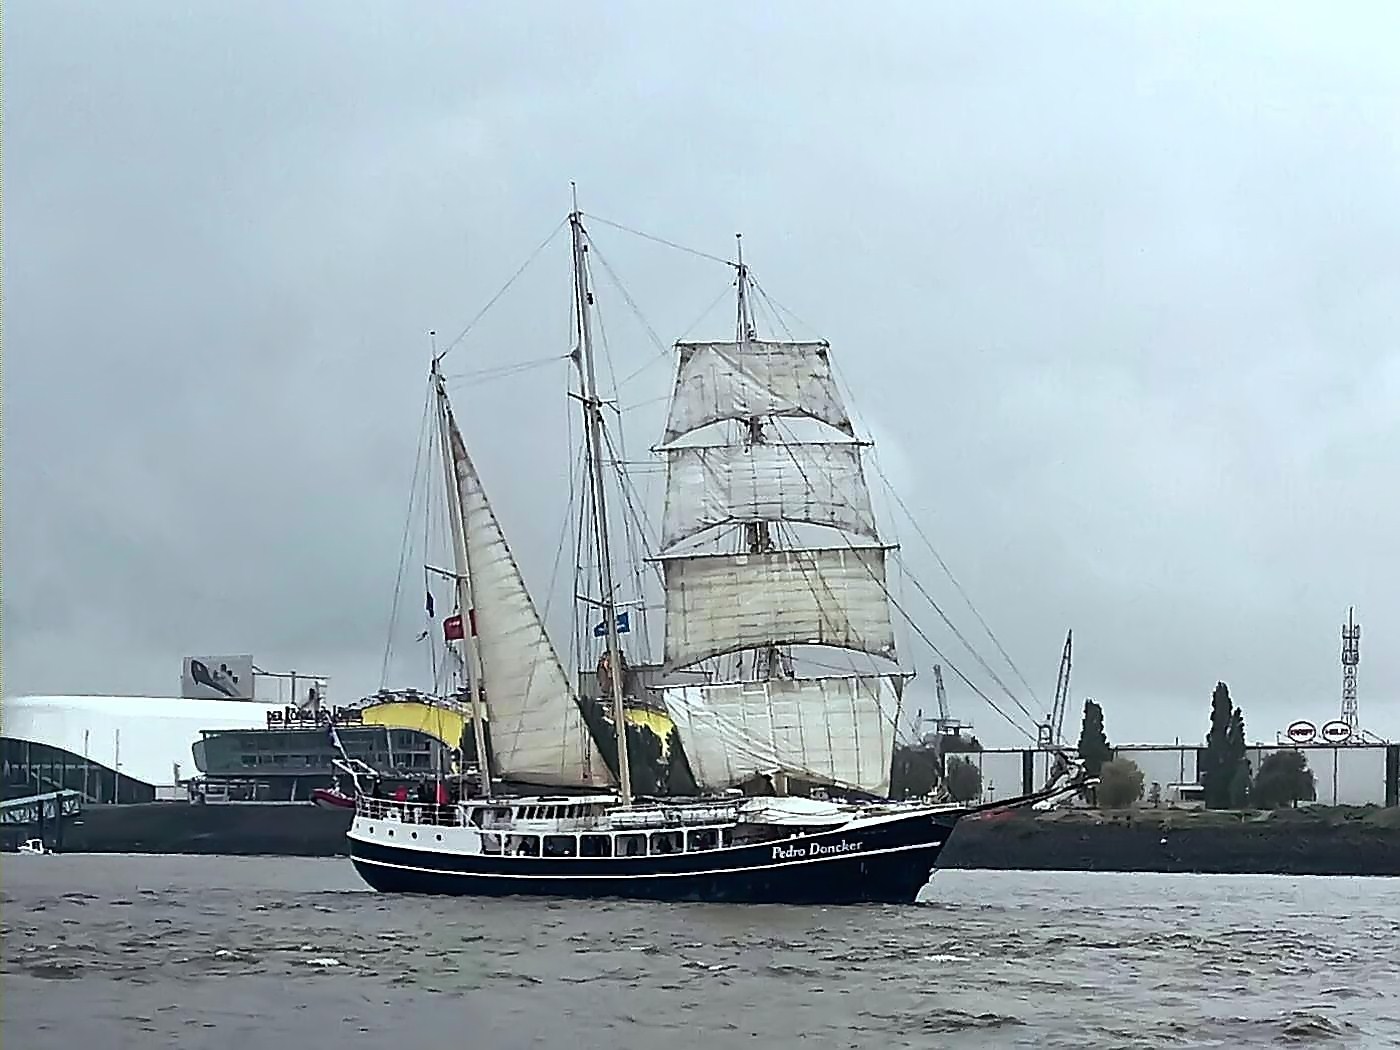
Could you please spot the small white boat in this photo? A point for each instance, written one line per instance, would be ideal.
(34, 846)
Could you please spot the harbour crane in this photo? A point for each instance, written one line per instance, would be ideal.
(945, 725)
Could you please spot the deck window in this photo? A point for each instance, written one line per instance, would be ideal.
(666, 842)
(631, 845)
(595, 846)
(491, 843)
(702, 839)
(523, 845)
(560, 846)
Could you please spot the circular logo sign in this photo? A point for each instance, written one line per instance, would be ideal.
(1336, 731)
(1302, 731)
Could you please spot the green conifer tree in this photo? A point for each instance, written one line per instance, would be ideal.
(1217, 771)
(1238, 764)
(1094, 748)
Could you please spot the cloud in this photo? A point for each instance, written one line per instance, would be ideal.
(1113, 287)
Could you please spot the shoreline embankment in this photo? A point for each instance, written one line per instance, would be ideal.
(1310, 841)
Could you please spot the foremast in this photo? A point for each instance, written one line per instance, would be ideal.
(517, 684)
(593, 428)
(468, 648)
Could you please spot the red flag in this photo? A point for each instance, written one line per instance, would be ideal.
(452, 626)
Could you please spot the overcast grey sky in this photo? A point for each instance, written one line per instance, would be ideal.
(1115, 287)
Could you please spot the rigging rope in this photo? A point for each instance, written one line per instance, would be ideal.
(780, 308)
(404, 542)
(504, 288)
(884, 587)
(957, 586)
(438, 682)
(661, 240)
(481, 375)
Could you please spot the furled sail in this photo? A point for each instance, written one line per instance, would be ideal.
(834, 730)
(724, 603)
(817, 482)
(718, 381)
(537, 730)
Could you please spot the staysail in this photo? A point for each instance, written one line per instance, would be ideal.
(537, 730)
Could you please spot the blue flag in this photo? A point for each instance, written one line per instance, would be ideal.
(600, 629)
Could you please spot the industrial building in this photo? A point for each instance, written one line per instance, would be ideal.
(1360, 774)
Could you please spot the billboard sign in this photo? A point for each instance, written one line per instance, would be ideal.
(217, 678)
(1336, 731)
(1302, 732)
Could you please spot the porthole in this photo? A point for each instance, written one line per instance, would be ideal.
(439, 838)
(371, 829)
(391, 832)
(413, 834)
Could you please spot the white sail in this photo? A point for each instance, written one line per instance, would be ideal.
(537, 730)
(717, 381)
(724, 603)
(819, 482)
(837, 730)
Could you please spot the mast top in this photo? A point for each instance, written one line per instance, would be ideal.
(745, 325)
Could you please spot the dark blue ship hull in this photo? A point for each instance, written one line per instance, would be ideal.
(887, 862)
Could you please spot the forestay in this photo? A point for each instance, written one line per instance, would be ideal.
(834, 730)
(537, 729)
(719, 381)
(724, 603)
(817, 482)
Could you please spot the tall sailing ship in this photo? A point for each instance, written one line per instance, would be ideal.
(746, 594)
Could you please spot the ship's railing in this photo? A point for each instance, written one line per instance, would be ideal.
(653, 817)
(408, 812)
(36, 809)
(556, 825)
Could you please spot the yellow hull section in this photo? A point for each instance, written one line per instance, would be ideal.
(448, 725)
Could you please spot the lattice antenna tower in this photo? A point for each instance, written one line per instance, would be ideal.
(1351, 656)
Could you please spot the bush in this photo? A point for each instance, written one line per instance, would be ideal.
(1283, 781)
(964, 780)
(1120, 783)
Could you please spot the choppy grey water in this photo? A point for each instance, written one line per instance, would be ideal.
(214, 952)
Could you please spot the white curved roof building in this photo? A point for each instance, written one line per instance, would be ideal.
(142, 738)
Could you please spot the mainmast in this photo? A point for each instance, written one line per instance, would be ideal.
(593, 419)
(758, 536)
(470, 648)
(759, 594)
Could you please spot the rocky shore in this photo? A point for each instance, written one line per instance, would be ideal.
(1315, 841)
